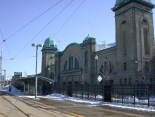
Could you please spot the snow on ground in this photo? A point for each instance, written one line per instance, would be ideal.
(85, 102)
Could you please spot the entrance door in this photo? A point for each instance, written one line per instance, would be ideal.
(69, 90)
(107, 93)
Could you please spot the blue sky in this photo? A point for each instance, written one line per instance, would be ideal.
(19, 55)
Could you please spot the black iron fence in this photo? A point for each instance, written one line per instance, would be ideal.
(138, 94)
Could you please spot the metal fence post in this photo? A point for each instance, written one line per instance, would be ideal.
(95, 92)
(122, 94)
(102, 92)
(88, 91)
(82, 91)
(148, 95)
(134, 93)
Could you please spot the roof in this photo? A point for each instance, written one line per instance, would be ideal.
(87, 38)
(104, 46)
(120, 3)
(49, 43)
(41, 79)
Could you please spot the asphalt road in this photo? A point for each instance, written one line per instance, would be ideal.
(86, 111)
(57, 108)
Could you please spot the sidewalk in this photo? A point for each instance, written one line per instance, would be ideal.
(18, 108)
(27, 110)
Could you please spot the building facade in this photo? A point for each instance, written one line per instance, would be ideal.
(116, 64)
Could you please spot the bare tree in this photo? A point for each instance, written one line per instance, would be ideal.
(144, 72)
(143, 77)
(106, 71)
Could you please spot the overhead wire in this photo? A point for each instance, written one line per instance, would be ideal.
(30, 22)
(7, 49)
(5, 44)
(19, 58)
(42, 29)
(68, 18)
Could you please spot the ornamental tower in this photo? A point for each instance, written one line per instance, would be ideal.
(48, 55)
(134, 33)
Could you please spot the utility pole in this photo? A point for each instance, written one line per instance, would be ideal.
(1, 67)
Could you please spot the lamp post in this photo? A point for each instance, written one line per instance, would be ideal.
(49, 72)
(96, 58)
(36, 45)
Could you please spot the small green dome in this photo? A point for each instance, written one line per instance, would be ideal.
(49, 42)
(87, 38)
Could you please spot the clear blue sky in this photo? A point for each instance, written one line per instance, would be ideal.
(14, 14)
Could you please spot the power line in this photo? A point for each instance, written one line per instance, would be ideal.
(30, 22)
(5, 43)
(8, 50)
(43, 29)
(20, 58)
(68, 18)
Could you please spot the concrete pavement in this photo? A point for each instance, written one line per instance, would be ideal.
(12, 107)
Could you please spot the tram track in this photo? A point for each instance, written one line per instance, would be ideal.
(17, 108)
(53, 109)
(48, 109)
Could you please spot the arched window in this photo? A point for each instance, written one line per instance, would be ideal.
(76, 63)
(146, 43)
(102, 69)
(124, 22)
(86, 59)
(71, 62)
(55, 66)
(111, 67)
(144, 21)
(124, 41)
(65, 66)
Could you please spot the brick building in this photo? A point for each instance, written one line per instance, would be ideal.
(134, 47)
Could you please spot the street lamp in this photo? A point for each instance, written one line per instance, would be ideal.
(96, 58)
(49, 71)
(36, 45)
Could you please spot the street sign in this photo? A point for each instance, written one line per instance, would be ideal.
(18, 74)
(99, 78)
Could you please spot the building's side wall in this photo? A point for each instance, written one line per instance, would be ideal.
(107, 55)
(133, 38)
(48, 58)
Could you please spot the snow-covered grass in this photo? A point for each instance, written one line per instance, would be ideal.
(116, 102)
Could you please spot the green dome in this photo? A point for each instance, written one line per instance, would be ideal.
(147, 1)
(49, 42)
(87, 38)
(118, 1)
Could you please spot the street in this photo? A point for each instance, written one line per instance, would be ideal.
(13, 106)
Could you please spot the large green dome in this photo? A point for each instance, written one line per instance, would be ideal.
(49, 42)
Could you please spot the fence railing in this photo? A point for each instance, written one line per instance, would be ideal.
(138, 94)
